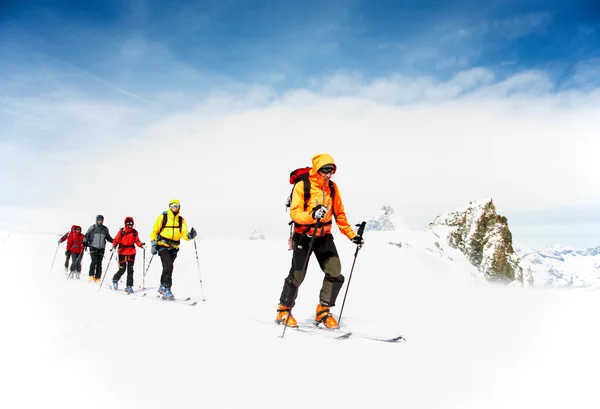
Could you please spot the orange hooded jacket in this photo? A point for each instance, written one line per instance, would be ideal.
(320, 194)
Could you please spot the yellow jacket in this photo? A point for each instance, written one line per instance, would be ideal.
(171, 234)
(320, 194)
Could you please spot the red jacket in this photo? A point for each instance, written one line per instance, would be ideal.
(74, 240)
(126, 239)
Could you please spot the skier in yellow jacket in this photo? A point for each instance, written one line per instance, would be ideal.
(167, 232)
(324, 203)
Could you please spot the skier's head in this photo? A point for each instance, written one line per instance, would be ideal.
(99, 219)
(323, 165)
(128, 221)
(174, 205)
(76, 228)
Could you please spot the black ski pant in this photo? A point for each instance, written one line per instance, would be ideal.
(67, 256)
(329, 261)
(167, 257)
(76, 262)
(96, 265)
(125, 263)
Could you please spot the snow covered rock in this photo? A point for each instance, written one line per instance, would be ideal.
(484, 238)
(387, 220)
(257, 234)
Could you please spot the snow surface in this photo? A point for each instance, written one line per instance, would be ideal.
(469, 344)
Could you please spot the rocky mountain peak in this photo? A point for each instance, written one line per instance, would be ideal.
(483, 235)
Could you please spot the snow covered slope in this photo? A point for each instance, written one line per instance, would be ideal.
(470, 344)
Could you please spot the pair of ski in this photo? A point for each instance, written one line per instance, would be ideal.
(339, 335)
(183, 301)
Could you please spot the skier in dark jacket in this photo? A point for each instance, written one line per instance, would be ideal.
(96, 238)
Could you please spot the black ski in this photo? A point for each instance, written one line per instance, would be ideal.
(329, 333)
(398, 338)
(326, 332)
(185, 301)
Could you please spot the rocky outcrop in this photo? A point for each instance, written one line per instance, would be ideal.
(385, 221)
(484, 238)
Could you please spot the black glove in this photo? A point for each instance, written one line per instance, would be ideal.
(358, 240)
(67, 253)
(85, 243)
(192, 233)
(319, 212)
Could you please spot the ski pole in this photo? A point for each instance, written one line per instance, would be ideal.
(144, 268)
(146, 271)
(106, 269)
(310, 246)
(199, 273)
(361, 229)
(54, 259)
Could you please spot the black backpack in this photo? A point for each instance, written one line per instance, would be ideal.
(133, 231)
(123, 233)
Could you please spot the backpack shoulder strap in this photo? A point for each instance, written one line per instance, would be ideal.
(332, 189)
(306, 181)
(164, 222)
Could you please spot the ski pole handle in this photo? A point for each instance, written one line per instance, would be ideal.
(361, 228)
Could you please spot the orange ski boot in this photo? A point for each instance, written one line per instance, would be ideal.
(284, 316)
(324, 317)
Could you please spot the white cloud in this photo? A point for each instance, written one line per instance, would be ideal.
(421, 145)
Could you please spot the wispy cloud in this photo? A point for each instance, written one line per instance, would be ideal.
(517, 26)
(110, 85)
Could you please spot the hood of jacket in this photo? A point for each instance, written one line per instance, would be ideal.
(320, 160)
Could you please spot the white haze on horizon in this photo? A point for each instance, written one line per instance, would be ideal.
(228, 157)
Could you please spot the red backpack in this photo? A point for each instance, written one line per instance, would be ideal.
(301, 174)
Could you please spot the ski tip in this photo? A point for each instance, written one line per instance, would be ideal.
(399, 338)
(345, 336)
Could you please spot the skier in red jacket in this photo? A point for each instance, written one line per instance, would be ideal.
(75, 249)
(126, 240)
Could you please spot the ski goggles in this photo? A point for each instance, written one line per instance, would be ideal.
(174, 206)
(327, 169)
(129, 224)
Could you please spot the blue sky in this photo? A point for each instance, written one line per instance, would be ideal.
(288, 42)
(84, 84)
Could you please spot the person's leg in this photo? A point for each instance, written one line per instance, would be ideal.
(94, 260)
(329, 261)
(121, 271)
(167, 271)
(99, 264)
(130, 262)
(296, 274)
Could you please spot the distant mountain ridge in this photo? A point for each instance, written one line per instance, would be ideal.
(560, 266)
